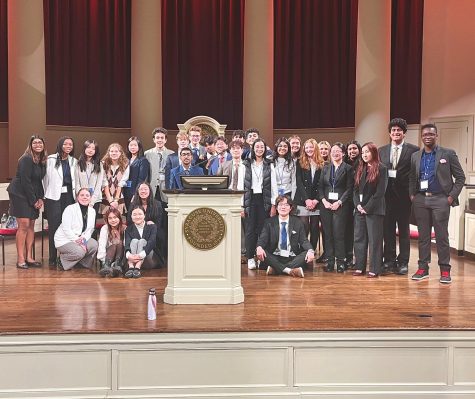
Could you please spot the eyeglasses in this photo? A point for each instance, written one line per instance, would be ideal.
(186, 154)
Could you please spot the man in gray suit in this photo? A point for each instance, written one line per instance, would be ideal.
(433, 191)
(283, 245)
(396, 156)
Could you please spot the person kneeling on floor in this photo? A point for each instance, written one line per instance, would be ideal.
(283, 245)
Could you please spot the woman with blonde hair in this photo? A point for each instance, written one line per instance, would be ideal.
(324, 148)
(309, 167)
(116, 174)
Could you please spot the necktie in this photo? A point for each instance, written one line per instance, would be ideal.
(235, 176)
(186, 172)
(283, 236)
(221, 159)
(195, 152)
(395, 153)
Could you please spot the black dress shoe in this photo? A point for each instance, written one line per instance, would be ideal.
(402, 269)
(340, 268)
(34, 264)
(389, 267)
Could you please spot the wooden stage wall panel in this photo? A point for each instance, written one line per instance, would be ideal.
(340, 365)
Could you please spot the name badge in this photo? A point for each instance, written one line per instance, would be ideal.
(424, 184)
(285, 253)
(128, 183)
(91, 191)
(361, 197)
(161, 176)
(333, 196)
(392, 173)
(281, 191)
(64, 189)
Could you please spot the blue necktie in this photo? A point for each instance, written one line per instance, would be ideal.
(283, 236)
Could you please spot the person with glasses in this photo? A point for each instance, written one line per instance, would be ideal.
(186, 157)
(283, 245)
(435, 181)
(335, 193)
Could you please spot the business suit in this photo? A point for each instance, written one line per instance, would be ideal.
(175, 181)
(157, 161)
(269, 241)
(215, 163)
(199, 153)
(333, 222)
(369, 227)
(433, 209)
(307, 188)
(139, 171)
(398, 205)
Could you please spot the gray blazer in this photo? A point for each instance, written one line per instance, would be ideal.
(157, 168)
(447, 169)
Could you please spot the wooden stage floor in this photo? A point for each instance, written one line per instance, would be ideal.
(47, 301)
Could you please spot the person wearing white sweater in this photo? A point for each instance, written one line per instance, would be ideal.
(111, 244)
(73, 237)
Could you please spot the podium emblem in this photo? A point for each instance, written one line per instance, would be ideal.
(204, 228)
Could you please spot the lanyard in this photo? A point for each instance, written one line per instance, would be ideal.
(427, 163)
(333, 178)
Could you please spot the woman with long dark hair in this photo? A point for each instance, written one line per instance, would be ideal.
(284, 167)
(260, 188)
(89, 172)
(335, 190)
(309, 168)
(139, 168)
(352, 158)
(26, 198)
(110, 250)
(59, 184)
(371, 180)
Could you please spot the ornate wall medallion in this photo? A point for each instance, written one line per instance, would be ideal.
(204, 228)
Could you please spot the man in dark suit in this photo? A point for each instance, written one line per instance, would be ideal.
(173, 160)
(184, 169)
(396, 156)
(283, 245)
(433, 191)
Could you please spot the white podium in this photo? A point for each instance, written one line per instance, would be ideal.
(198, 274)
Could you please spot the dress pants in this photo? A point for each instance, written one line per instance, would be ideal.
(398, 212)
(73, 254)
(369, 235)
(279, 263)
(433, 212)
(349, 234)
(333, 223)
(54, 212)
(254, 223)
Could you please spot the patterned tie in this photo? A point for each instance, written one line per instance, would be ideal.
(235, 176)
(283, 236)
(221, 159)
(395, 154)
(186, 172)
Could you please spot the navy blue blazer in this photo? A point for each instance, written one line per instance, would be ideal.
(139, 172)
(175, 181)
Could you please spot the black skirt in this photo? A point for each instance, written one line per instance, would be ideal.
(20, 208)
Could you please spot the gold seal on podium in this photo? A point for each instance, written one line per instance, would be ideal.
(204, 228)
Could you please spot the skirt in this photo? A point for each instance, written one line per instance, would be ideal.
(20, 208)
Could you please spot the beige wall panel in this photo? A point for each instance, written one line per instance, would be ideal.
(372, 366)
(195, 368)
(464, 366)
(55, 370)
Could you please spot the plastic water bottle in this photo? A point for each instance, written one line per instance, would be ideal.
(152, 305)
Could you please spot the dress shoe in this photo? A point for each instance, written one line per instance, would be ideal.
(358, 272)
(329, 267)
(297, 272)
(106, 269)
(350, 265)
(322, 259)
(372, 275)
(34, 264)
(402, 269)
(340, 268)
(59, 265)
(21, 266)
(137, 273)
(116, 269)
(389, 267)
(129, 273)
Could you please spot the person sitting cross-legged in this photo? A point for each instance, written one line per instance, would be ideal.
(283, 245)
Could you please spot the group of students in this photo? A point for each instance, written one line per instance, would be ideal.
(357, 194)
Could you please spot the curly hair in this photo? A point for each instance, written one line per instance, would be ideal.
(123, 161)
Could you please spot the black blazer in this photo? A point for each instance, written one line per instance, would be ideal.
(447, 168)
(373, 194)
(149, 235)
(139, 172)
(307, 187)
(269, 237)
(400, 185)
(344, 183)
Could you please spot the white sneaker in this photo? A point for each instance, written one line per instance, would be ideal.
(251, 264)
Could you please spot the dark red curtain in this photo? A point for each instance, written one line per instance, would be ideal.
(314, 63)
(3, 62)
(87, 45)
(406, 59)
(202, 60)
